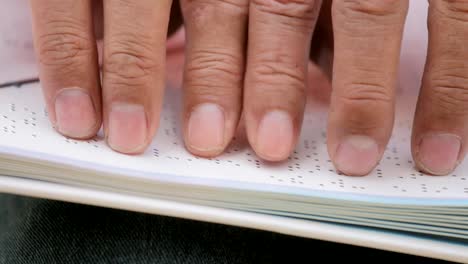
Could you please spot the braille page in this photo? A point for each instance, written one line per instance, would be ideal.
(25, 129)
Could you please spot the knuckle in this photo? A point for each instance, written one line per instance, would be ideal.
(366, 96)
(193, 5)
(305, 10)
(362, 121)
(455, 9)
(364, 106)
(280, 80)
(63, 45)
(130, 61)
(222, 93)
(275, 75)
(357, 17)
(450, 95)
(372, 7)
(202, 12)
(213, 69)
(287, 97)
(276, 69)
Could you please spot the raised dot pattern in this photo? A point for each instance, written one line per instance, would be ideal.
(24, 124)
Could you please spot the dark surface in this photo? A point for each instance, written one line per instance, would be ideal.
(42, 231)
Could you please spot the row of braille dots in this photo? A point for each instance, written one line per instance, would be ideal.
(252, 160)
(394, 150)
(91, 142)
(422, 187)
(460, 178)
(216, 161)
(157, 154)
(415, 176)
(192, 159)
(297, 179)
(296, 162)
(13, 108)
(340, 183)
(248, 156)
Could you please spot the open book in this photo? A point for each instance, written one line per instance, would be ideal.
(394, 208)
(395, 197)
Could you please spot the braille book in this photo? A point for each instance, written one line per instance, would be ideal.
(393, 198)
(394, 208)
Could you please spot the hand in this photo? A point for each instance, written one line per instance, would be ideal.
(129, 100)
(252, 56)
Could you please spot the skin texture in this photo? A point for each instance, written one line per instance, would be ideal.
(256, 59)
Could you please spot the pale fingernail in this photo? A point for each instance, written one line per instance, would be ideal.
(357, 155)
(206, 128)
(275, 136)
(438, 153)
(127, 132)
(75, 113)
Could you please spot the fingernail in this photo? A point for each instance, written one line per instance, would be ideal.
(75, 113)
(275, 135)
(357, 155)
(438, 153)
(128, 127)
(206, 128)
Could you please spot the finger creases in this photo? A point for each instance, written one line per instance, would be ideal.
(68, 65)
(213, 73)
(133, 71)
(276, 76)
(441, 121)
(367, 40)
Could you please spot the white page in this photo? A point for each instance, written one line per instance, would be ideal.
(24, 128)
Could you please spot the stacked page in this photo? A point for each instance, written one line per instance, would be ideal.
(395, 196)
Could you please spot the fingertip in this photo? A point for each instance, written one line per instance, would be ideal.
(127, 130)
(356, 155)
(75, 114)
(438, 153)
(206, 126)
(275, 136)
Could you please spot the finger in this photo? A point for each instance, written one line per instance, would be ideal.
(275, 84)
(367, 48)
(441, 122)
(216, 33)
(68, 66)
(133, 72)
